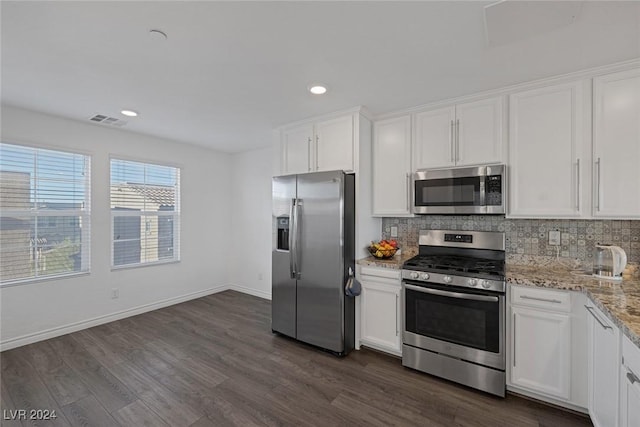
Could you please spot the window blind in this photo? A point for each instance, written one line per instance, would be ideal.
(145, 213)
(44, 213)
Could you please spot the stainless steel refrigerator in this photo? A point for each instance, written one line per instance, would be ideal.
(313, 250)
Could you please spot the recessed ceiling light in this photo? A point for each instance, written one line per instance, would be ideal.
(317, 89)
(129, 113)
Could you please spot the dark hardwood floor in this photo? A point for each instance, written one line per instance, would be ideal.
(214, 362)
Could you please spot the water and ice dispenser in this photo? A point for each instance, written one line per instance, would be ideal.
(283, 233)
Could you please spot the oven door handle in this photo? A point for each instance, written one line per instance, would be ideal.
(451, 294)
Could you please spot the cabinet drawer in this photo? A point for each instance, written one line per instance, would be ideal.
(383, 273)
(541, 298)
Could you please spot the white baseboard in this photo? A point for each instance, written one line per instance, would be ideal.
(84, 324)
(251, 291)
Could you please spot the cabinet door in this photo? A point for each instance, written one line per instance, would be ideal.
(629, 399)
(541, 351)
(547, 156)
(380, 316)
(434, 146)
(296, 149)
(616, 145)
(334, 144)
(479, 132)
(604, 365)
(392, 167)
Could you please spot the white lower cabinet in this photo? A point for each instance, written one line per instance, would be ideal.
(604, 366)
(541, 350)
(630, 385)
(547, 346)
(380, 320)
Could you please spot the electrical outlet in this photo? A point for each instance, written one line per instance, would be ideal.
(115, 293)
(554, 238)
(394, 231)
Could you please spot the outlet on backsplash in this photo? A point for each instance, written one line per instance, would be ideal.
(529, 237)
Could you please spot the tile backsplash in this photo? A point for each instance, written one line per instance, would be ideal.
(528, 237)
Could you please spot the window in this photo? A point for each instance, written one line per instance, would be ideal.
(44, 213)
(145, 212)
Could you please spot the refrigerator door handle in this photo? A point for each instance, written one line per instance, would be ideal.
(292, 240)
(296, 214)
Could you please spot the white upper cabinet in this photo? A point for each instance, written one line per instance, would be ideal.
(548, 152)
(296, 149)
(321, 146)
(434, 146)
(616, 145)
(479, 132)
(465, 134)
(334, 144)
(392, 167)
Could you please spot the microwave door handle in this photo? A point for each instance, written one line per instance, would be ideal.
(457, 295)
(483, 186)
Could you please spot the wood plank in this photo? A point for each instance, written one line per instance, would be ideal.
(26, 389)
(7, 404)
(139, 415)
(63, 383)
(110, 392)
(88, 412)
(157, 397)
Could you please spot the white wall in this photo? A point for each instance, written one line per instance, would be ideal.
(40, 310)
(251, 231)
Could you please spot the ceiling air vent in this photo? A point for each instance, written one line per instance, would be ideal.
(106, 120)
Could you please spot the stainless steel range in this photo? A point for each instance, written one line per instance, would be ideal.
(453, 293)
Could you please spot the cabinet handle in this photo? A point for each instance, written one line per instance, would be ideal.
(408, 191)
(457, 159)
(578, 185)
(397, 315)
(631, 377)
(590, 310)
(309, 153)
(514, 340)
(452, 141)
(317, 143)
(598, 184)
(554, 301)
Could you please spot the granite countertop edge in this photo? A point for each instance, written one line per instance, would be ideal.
(612, 298)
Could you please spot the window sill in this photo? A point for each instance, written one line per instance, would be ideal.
(146, 264)
(21, 282)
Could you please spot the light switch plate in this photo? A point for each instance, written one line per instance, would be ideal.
(394, 231)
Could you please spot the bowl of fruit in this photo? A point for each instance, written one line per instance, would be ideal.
(383, 249)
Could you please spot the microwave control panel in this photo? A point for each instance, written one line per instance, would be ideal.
(493, 190)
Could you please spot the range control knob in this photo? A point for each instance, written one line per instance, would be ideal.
(413, 275)
(472, 282)
(447, 279)
(424, 276)
(485, 284)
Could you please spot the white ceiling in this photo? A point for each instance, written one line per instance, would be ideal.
(230, 72)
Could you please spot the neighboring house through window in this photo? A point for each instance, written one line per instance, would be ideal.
(44, 213)
(145, 212)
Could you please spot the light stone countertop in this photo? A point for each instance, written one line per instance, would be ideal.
(618, 300)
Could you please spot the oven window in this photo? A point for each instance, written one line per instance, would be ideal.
(448, 192)
(469, 323)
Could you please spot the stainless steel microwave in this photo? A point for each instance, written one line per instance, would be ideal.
(471, 190)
